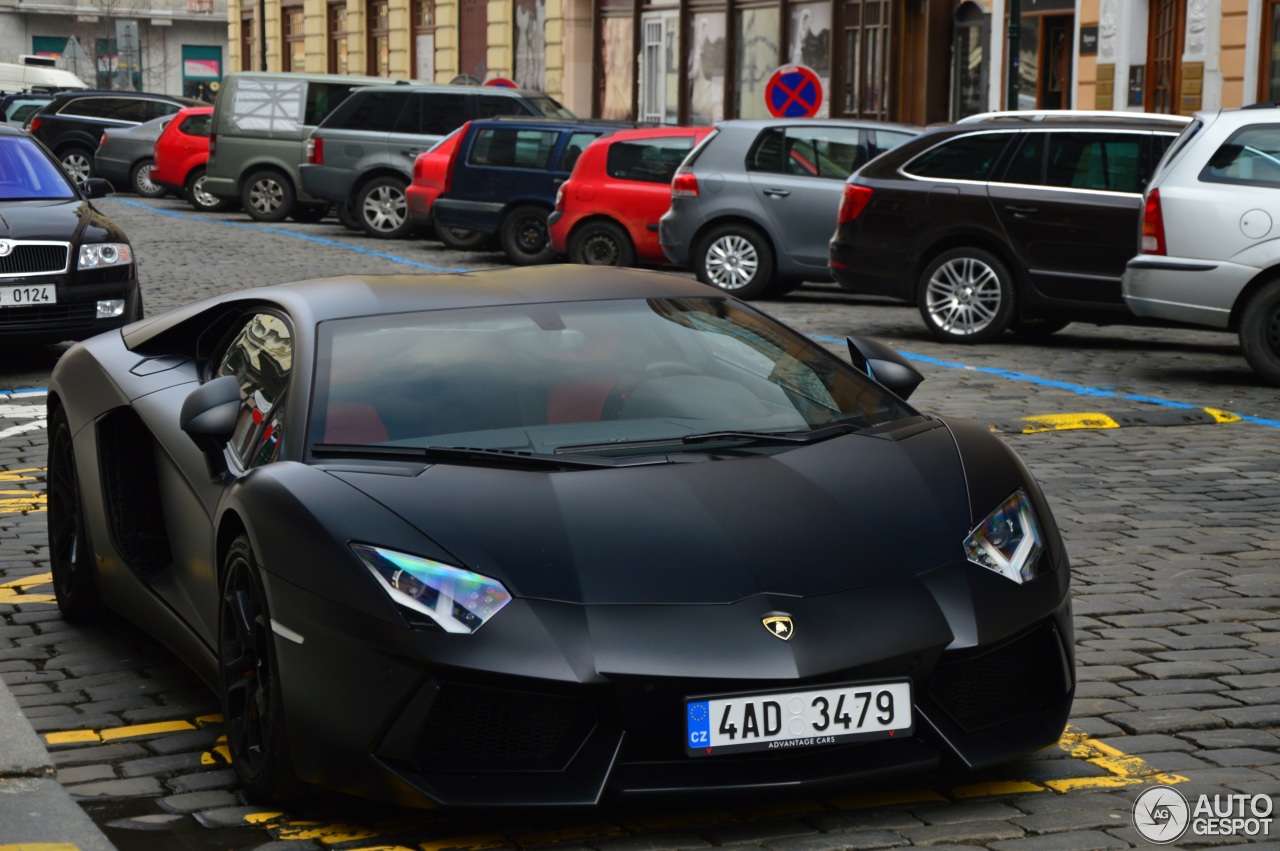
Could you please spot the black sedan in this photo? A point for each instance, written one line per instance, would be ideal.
(66, 270)
(550, 536)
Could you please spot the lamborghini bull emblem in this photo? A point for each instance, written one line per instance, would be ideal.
(780, 626)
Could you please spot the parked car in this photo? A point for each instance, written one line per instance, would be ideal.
(1209, 243)
(181, 154)
(1003, 221)
(607, 211)
(126, 156)
(430, 178)
(71, 125)
(361, 156)
(15, 109)
(729, 561)
(503, 176)
(67, 271)
(261, 122)
(752, 206)
(37, 74)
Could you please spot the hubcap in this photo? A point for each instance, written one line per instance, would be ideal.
(531, 234)
(963, 296)
(732, 262)
(266, 196)
(144, 183)
(78, 167)
(385, 208)
(246, 675)
(204, 199)
(601, 249)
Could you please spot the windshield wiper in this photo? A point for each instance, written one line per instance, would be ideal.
(467, 454)
(729, 436)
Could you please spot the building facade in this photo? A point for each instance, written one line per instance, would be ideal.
(175, 47)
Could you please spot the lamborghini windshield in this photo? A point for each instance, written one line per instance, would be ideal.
(574, 378)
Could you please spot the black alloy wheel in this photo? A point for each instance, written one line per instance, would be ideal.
(524, 236)
(75, 583)
(601, 243)
(252, 705)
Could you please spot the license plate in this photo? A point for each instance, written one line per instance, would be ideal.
(798, 719)
(27, 296)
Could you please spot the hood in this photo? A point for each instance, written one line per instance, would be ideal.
(72, 220)
(849, 512)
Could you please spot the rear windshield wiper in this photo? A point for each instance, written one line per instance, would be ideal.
(474, 455)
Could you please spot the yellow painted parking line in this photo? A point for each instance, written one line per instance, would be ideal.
(995, 787)
(22, 501)
(1064, 422)
(15, 591)
(111, 734)
(1223, 416)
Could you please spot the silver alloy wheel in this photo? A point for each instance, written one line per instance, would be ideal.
(78, 167)
(266, 195)
(963, 296)
(204, 199)
(385, 208)
(732, 262)
(144, 184)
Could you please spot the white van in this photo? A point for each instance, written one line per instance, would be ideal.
(36, 78)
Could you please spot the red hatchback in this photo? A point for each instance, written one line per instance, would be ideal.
(181, 153)
(430, 181)
(607, 211)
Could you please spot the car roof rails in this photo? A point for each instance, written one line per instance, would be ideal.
(1269, 104)
(1071, 115)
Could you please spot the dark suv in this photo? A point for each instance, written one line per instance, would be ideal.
(504, 176)
(361, 156)
(71, 125)
(1004, 220)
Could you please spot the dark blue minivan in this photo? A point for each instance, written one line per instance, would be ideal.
(504, 177)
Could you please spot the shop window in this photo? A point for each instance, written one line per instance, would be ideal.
(660, 67)
(379, 17)
(706, 67)
(422, 24)
(616, 77)
(247, 43)
(867, 32)
(295, 45)
(810, 44)
(531, 44)
(969, 74)
(757, 58)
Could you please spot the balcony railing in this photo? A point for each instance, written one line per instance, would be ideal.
(182, 9)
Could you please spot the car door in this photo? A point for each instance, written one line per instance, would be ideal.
(1069, 202)
(796, 175)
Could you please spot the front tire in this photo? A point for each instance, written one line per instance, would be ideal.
(737, 259)
(75, 581)
(140, 180)
(966, 296)
(249, 681)
(383, 210)
(1260, 332)
(201, 200)
(524, 236)
(602, 244)
(267, 196)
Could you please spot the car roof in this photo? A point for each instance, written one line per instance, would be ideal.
(652, 133)
(553, 123)
(324, 299)
(1073, 119)
(420, 86)
(760, 123)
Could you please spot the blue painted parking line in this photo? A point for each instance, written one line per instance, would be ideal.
(7, 395)
(305, 237)
(1078, 389)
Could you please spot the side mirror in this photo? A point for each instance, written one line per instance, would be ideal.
(98, 187)
(209, 413)
(884, 365)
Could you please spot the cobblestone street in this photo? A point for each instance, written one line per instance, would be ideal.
(1159, 452)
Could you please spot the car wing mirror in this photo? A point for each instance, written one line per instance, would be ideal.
(98, 187)
(884, 366)
(209, 413)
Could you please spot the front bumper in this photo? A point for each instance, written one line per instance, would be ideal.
(427, 719)
(74, 315)
(1175, 289)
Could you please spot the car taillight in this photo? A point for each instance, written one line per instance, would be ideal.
(35, 124)
(684, 185)
(315, 150)
(853, 202)
(453, 157)
(560, 198)
(1153, 225)
(213, 143)
(103, 140)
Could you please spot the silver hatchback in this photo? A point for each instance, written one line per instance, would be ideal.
(753, 206)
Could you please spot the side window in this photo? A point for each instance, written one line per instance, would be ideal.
(512, 147)
(832, 152)
(260, 357)
(437, 113)
(577, 144)
(1100, 161)
(964, 158)
(650, 160)
(131, 109)
(323, 98)
(90, 107)
(1250, 157)
(377, 111)
(197, 125)
(766, 152)
(1027, 163)
(158, 108)
(884, 140)
(493, 106)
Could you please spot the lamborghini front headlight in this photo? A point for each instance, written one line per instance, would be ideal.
(1009, 541)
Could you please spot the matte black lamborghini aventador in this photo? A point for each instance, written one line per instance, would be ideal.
(550, 535)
